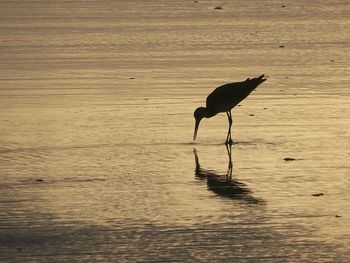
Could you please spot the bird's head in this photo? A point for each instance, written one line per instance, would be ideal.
(198, 114)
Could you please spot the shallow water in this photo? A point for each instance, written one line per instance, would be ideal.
(96, 152)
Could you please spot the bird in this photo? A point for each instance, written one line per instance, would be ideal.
(223, 99)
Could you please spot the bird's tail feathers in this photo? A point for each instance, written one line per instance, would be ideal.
(263, 77)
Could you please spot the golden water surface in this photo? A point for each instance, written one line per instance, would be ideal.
(97, 162)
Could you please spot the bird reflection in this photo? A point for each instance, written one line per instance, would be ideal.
(224, 185)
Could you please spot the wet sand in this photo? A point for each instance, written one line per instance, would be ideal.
(97, 161)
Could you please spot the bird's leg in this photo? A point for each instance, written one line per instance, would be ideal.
(226, 142)
(228, 138)
(230, 165)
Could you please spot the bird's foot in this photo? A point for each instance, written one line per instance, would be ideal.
(229, 142)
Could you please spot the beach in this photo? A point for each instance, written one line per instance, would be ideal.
(97, 161)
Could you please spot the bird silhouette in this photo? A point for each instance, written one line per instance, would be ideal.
(223, 99)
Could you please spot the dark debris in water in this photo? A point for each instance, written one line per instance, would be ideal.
(318, 194)
(218, 8)
(39, 180)
(289, 159)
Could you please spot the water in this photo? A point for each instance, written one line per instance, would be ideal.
(96, 152)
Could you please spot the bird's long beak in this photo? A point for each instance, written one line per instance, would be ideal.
(196, 128)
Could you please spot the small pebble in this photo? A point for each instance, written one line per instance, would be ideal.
(318, 194)
(283, 6)
(251, 114)
(289, 159)
(281, 46)
(218, 7)
(265, 108)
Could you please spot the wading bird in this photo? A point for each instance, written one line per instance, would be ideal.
(224, 99)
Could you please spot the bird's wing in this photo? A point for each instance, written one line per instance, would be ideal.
(225, 97)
